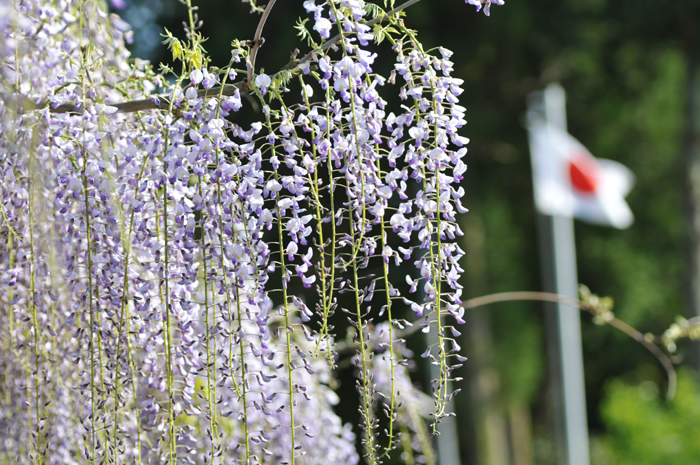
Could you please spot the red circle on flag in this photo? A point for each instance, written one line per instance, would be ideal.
(584, 173)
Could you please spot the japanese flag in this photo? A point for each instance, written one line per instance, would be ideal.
(569, 181)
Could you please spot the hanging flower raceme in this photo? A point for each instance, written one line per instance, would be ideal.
(171, 277)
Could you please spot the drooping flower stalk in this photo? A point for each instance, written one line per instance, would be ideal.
(351, 71)
(33, 305)
(285, 298)
(210, 362)
(164, 285)
(326, 278)
(386, 256)
(88, 254)
(124, 324)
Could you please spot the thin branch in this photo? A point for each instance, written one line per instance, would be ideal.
(611, 320)
(229, 89)
(258, 40)
(159, 102)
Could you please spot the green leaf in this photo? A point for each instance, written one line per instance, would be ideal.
(174, 44)
(375, 11)
(303, 32)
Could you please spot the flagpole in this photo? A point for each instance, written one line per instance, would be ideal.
(558, 263)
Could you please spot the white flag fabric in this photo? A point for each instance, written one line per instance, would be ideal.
(569, 181)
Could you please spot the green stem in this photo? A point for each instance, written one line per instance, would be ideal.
(285, 297)
(210, 385)
(242, 390)
(244, 385)
(326, 286)
(366, 388)
(124, 319)
(32, 296)
(168, 342)
(392, 408)
(435, 258)
(88, 252)
(287, 329)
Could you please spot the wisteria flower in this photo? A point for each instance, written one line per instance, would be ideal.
(262, 81)
(171, 276)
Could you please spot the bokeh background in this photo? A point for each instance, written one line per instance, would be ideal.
(630, 70)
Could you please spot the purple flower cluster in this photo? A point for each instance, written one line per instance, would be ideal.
(414, 406)
(486, 4)
(157, 261)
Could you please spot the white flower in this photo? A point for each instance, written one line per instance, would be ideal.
(311, 6)
(323, 26)
(308, 91)
(263, 81)
(341, 84)
(196, 77)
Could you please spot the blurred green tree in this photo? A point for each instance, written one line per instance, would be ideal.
(646, 430)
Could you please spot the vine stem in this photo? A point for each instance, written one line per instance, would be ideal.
(285, 297)
(228, 293)
(243, 388)
(489, 299)
(441, 393)
(331, 196)
(124, 322)
(88, 253)
(286, 322)
(210, 385)
(326, 281)
(566, 300)
(168, 345)
(392, 357)
(365, 378)
(166, 300)
(258, 40)
(90, 304)
(32, 293)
